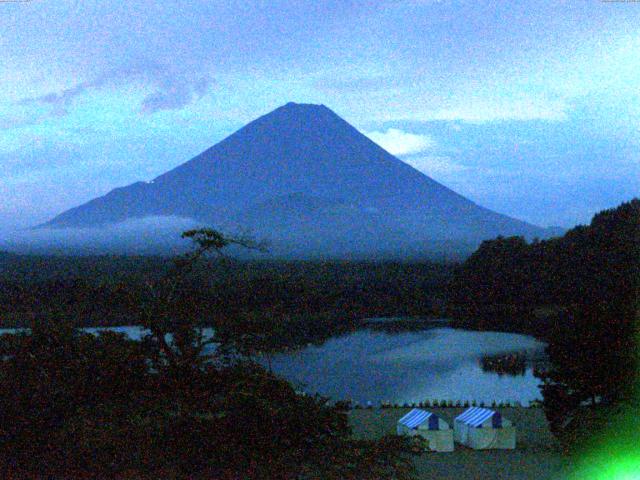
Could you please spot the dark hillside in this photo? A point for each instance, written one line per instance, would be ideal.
(507, 280)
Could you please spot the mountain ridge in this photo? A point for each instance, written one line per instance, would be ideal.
(309, 154)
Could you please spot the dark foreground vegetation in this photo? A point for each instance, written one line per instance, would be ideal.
(581, 293)
(74, 405)
(306, 301)
(510, 284)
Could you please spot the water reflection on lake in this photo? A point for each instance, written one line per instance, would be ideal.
(410, 364)
(434, 363)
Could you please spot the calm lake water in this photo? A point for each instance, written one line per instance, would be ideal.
(428, 363)
(435, 363)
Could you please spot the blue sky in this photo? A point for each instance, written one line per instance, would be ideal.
(528, 108)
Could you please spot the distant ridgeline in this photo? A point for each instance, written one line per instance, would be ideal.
(509, 284)
(312, 299)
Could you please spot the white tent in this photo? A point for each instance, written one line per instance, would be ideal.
(428, 426)
(481, 428)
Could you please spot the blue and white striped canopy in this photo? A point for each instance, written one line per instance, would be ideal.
(476, 416)
(417, 417)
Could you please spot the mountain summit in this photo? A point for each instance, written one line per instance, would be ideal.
(304, 179)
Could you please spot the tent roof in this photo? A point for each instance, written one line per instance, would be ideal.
(415, 417)
(475, 416)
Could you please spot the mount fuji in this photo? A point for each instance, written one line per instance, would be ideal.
(310, 184)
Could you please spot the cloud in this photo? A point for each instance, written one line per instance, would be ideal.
(63, 99)
(479, 106)
(436, 165)
(174, 89)
(148, 235)
(523, 108)
(60, 101)
(175, 95)
(398, 142)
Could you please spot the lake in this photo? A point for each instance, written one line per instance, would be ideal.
(429, 362)
(406, 367)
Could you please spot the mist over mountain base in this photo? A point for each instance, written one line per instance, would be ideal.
(161, 235)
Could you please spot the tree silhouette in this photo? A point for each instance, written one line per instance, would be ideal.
(591, 277)
(75, 405)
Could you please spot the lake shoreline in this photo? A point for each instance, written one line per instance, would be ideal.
(384, 364)
(537, 321)
(419, 361)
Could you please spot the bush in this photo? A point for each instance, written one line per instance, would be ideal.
(82, 406)
(343, 405)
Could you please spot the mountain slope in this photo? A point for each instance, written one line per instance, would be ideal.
(303, 174)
